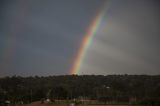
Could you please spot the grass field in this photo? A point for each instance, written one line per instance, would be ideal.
(38, 103)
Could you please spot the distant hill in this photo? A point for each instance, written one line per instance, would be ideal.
(119, 88)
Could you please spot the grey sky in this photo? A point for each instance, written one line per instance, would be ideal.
(42, 37)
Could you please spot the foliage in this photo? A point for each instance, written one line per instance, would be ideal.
(143, 89)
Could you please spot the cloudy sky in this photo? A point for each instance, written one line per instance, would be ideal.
(42, 37)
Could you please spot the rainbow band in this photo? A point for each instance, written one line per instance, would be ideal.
(10, 38)
(92, 30)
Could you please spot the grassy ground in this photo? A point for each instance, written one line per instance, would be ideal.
(51, 104)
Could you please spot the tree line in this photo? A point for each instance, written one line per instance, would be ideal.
(141, 89)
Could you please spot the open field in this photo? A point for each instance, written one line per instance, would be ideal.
(50, 104)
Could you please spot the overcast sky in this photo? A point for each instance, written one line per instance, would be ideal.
(42, 37)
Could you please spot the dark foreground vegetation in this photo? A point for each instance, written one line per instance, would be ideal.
(131, 89)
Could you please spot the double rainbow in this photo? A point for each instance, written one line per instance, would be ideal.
(87, 40)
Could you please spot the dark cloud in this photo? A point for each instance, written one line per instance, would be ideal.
(42, 37)
(128, 41)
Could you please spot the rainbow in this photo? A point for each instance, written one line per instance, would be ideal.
(10, 38)
(87, 40)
